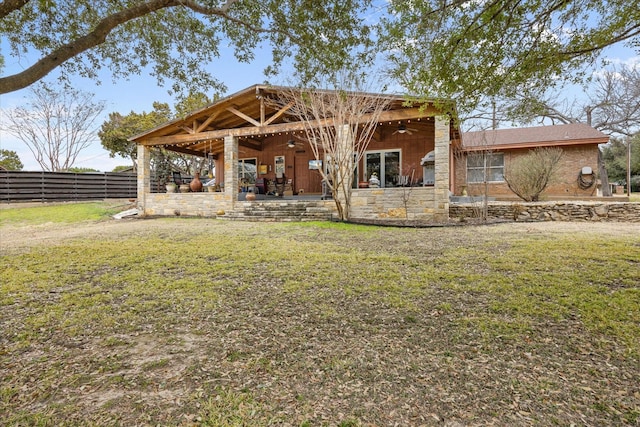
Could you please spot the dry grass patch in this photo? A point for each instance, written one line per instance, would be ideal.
(204, 322)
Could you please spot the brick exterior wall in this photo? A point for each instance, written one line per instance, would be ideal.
(566, 187)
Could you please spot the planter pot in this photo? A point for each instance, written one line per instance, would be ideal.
(184, 188)
(196, 185)
(251, 196)
(211, 188)
(171, 188)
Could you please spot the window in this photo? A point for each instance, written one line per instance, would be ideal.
(490, 163)
(247, 170)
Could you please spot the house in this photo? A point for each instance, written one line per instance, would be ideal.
(493, 151)
(251, 142)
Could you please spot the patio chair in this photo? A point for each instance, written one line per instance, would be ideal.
(177, 178)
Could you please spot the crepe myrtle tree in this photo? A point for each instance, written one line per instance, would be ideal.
(55, 123)
(179, 39)
(529, 175)
(338, 126)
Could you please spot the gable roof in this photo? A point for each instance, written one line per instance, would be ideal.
(539, 136)
(247, 115)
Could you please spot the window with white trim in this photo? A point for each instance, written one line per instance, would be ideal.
(481, 165)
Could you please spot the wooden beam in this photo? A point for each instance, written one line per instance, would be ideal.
(186, 129)
(250, 143)
(262, 111)
(243, 116)
(386, 116)
(206, 123)
(187, 151)
(279, 113)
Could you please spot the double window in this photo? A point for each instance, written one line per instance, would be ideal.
(483, 167)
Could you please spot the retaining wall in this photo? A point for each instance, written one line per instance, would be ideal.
(551, 211)
(401, 203)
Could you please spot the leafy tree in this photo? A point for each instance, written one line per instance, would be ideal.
(9, 160)
(121, 168)
(528, 176)
(615, 158)
(178, 39)
(612, 104)
(114, 134)
(56, 124)
(478, 50)
(81, 170)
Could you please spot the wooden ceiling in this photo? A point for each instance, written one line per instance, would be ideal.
(249, 116)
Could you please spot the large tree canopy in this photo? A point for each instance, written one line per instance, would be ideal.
(177, 39)
(466, 49)
(470, 49)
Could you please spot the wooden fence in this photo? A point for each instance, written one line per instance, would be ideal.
(22, 186)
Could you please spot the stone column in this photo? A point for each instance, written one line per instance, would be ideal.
(231, 169)
(144, 175)
(441, 186)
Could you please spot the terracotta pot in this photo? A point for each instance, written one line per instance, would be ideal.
(251, 196)
(196, 185)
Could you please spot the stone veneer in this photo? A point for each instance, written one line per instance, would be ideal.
(188, 204)
(552, 211)
(406, 203)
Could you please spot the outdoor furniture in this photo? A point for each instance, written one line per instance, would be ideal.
(177, 178)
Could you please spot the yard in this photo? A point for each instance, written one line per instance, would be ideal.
(191, 321)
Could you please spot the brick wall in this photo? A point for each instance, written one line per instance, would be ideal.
(566, 187)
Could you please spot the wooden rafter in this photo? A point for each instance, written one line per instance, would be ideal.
(206, 123)
(391, 115)
(278, 113)
(187, 129)
(243, 116)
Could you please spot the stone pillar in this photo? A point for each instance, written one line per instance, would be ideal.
(441, 186)
(144, 175)
(231, 169)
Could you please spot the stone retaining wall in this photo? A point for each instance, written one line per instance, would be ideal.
(551, 211)
(188, 204)
(398, 203)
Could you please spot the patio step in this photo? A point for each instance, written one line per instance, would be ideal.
(282, 211)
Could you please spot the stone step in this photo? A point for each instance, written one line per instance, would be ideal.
(279, 211)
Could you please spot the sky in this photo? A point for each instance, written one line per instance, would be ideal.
(139, 92)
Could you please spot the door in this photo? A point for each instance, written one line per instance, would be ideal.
(305, 178)
(386, 164)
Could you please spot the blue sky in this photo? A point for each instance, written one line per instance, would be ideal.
(139, 92)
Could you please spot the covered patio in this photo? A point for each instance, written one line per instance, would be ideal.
(251, 143)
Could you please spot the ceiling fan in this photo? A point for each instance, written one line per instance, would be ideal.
(293, 144)
(402, 128)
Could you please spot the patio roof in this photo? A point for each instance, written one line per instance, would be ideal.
(248, 115)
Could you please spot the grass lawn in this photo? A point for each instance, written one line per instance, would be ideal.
(184, 321)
